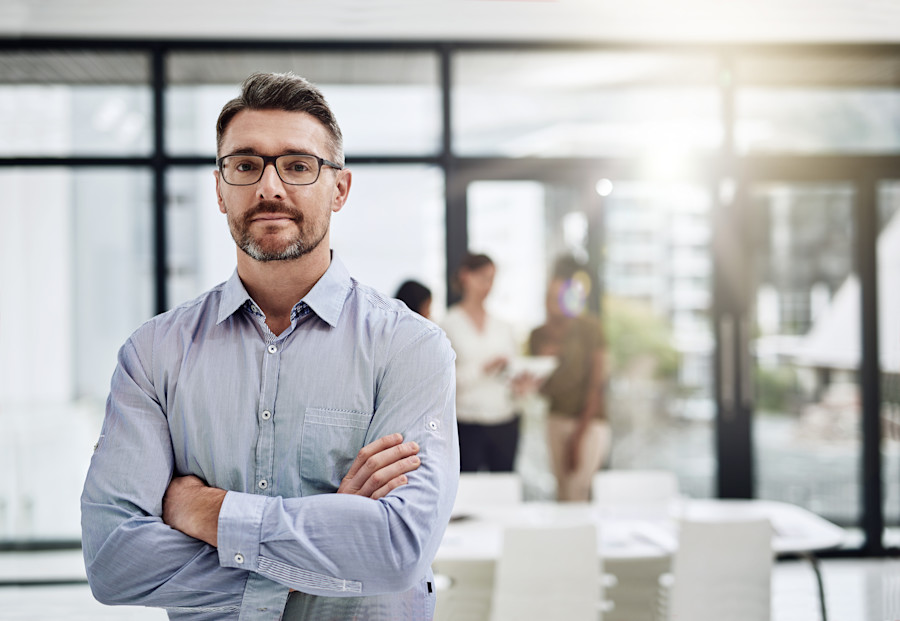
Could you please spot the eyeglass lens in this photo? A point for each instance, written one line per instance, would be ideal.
(295, 169)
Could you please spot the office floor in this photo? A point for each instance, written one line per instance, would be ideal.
(857, 590)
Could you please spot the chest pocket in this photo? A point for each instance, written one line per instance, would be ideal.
(330, 441)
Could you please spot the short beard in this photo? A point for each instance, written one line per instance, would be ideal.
(294, 250)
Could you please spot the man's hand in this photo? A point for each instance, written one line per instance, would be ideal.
(381, 467)
(191, 506)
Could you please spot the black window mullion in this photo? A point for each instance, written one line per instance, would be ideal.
(160, 260)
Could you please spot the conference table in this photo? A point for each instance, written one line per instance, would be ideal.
(629, 534)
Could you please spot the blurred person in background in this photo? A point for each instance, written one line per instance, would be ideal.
(485, 409)
(416, 296)
(578, 433)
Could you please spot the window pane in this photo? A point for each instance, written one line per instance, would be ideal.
(391, 229)
(889, 348)
(817, 105)
(658, 300)
(807, 348)
(818, 121)
(74, 103)
(386, 103)
(546, 104)
(655, 309)
(76, 281)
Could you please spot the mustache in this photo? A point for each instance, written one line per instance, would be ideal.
(270, 206)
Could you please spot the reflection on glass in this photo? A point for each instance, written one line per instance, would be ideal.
(556, 104)
(889, 349)
(76, 274)
(371, 233)
(807, 350)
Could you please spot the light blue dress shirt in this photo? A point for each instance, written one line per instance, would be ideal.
(207, 389)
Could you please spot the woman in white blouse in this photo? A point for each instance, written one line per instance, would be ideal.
(485, 410)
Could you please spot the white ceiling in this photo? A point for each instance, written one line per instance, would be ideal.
(631, 21)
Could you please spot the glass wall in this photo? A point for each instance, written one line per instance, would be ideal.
(81, 162)
(558, 104)
(806, 346)
(888, 257)
(75, 267)
(387, 103)
(802, 104)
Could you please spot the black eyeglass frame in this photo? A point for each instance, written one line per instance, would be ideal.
(270, 159)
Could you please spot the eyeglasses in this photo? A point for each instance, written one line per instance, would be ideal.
(292, 168)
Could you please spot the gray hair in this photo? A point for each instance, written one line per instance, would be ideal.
(283, 91)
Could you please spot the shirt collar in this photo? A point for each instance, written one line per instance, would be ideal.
(326, 298)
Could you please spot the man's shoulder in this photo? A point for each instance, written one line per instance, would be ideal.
(201, 309)
(389, 316)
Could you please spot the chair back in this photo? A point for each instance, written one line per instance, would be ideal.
(548, 573)
(722, 570)
(479, 489)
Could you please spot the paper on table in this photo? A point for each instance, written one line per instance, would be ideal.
(538, 366)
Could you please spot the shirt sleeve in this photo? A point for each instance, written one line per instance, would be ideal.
(131, 555)
(344, 545)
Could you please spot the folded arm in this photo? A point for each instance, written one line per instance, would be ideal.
(379, 535)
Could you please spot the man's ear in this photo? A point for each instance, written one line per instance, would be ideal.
(341, 189)
(219, 191)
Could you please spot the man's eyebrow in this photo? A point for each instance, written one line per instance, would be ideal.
(253, 151)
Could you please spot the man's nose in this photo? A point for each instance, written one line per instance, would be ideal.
(270, 184)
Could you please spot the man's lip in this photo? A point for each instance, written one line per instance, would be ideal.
(273, 216)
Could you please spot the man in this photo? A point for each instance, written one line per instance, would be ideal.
(284, 445)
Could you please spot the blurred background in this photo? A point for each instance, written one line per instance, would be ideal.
(729, 171)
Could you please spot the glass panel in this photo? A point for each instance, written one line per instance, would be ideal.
(393, 229)
(544, 104)
(818, 121)
(77, 280)
(658, 304)
(655, 308)
(74, 104)
(889, 348)
(386, 103)
(806, 348)
(371, 233)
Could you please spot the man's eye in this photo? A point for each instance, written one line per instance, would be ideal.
(297, 166)
(245, 166)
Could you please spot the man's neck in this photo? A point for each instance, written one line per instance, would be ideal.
(277, 286)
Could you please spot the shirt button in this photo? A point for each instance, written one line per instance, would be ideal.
(432, 425)
(272, 349)
(239, 558)
(263, 484)
(266, 415)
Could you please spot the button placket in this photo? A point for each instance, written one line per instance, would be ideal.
(265, 446)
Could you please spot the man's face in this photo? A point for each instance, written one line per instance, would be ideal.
(272, 220)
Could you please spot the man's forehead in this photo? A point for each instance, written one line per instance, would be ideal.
(279, 130)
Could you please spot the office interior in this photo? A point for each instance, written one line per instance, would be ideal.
(732, 181)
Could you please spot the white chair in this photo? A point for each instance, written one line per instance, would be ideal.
(479, 489)
(634, 488)
(548, 573)
(721, 570)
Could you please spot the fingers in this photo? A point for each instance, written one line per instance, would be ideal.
(389, 477)
(371, 449)
(380, 467)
